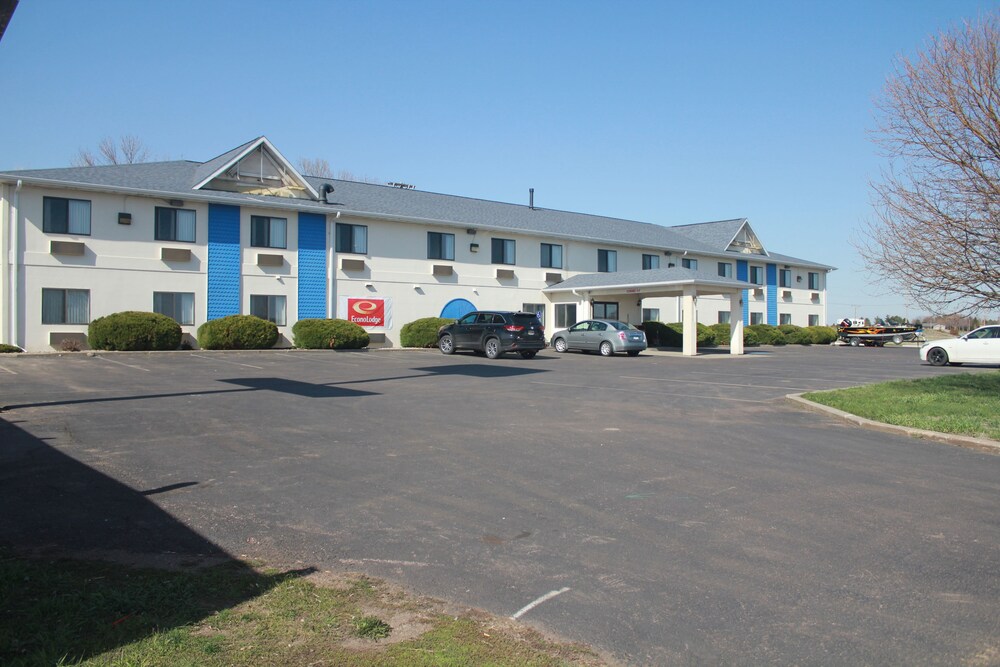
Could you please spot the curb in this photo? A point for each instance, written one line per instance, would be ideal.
(979, 444)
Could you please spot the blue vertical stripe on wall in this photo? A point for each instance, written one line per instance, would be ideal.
(223, 260)
(312, 266)
(772, 294)
(742, 273)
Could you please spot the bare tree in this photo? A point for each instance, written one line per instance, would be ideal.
(936, 232)
(317, 167)
(128, 149)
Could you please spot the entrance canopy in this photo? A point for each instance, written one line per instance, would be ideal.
(688, 284)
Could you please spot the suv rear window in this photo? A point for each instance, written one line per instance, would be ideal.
(525, 319)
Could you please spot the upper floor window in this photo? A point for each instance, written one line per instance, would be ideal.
(607, 261)
(268, 232)
(689, 263)
(174, 224)
(650, 262)
(440, 245)
(177, 305)
(503, 251)
(726, 269)
(66, 216)
(268, 307)
(813, 281)
(552, 256)
(757, 275)
(785, 278)
(65, 306)
(352, 238)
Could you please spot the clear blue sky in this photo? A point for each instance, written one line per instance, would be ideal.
(664, 112)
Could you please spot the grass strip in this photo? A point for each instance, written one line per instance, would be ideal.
(964, 404)
(70, 612)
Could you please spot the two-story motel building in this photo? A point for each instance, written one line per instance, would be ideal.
(246, 233)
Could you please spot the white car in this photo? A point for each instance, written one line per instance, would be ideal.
(981, 346)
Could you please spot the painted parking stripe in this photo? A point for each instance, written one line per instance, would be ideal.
(660, 393)
(122, 363)
(8, 370)
(226, 361)
(715, 384)
(531, 605)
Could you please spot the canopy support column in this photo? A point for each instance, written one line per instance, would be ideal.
(736, 323)
(690, 323)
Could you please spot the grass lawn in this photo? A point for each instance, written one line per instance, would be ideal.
(68, 612)
(966, 404)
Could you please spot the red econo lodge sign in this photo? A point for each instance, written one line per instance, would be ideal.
(366, 312)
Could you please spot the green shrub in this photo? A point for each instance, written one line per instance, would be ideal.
(723, 333)
(5, 348)
(822, 335)
(422, 332)
(672, 335)
(237, 332)
(134, 331)
(800, 337)
(788, 329)
(315, 334)
(768, 334)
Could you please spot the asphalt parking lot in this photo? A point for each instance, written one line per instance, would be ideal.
(665, 510)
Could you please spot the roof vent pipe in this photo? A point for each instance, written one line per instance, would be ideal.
(531, 198)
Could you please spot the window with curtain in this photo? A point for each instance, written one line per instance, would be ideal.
(440, 245)
(352, 238)
(607, 261)
(266, 232)
(176, 305)
(726, 269)
(65, 306)
(174, 224)
(650, 262)
(66, 216)
(688, 263)
(565, 314)
(268, 307)
(503, 251)
(552, 256)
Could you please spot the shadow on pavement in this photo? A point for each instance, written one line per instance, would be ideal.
(56, 507)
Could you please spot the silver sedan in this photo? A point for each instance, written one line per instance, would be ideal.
(604, 336)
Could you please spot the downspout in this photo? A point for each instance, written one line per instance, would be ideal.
(15, 282)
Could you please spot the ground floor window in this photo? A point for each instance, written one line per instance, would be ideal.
(177, 305)
(65, 306)
(565, 315)
(268, 307)
(606, 310)
(650, 314)
(814, 320)
(537, 308)
(724, 316)
(785, 318)
(756, 318)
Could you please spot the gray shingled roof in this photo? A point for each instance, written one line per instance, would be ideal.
(177, 178)
(717, 235)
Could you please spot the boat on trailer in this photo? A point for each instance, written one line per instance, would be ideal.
(856, 332)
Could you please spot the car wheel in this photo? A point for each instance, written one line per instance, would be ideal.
(937, 357)
(607, 349)
(492, 348)
(528, 354)
(560, 345)
(446, 344)
(633, 353)
(855, 341)
(897, 339)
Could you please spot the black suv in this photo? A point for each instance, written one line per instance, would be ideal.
(492, 333)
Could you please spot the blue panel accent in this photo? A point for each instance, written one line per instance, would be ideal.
(772, 294)
(742, 273)
(456, 308)
(223, 260)
(312, 266)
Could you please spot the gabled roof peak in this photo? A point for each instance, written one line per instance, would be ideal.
(256, 167)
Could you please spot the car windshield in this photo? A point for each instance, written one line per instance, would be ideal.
(622, 326)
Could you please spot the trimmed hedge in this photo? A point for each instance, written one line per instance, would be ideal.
(659, 334)
(822, 335)
(422, 332)
(5, 348)
(316, 334)
(723, 333)
(132, 331)
(768, 334)
(237, 332)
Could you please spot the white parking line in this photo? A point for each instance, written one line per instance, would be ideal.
(8, 370)
(224, 361)
(531, 605)
(660, 393)
(721, 384)
(121, 363)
